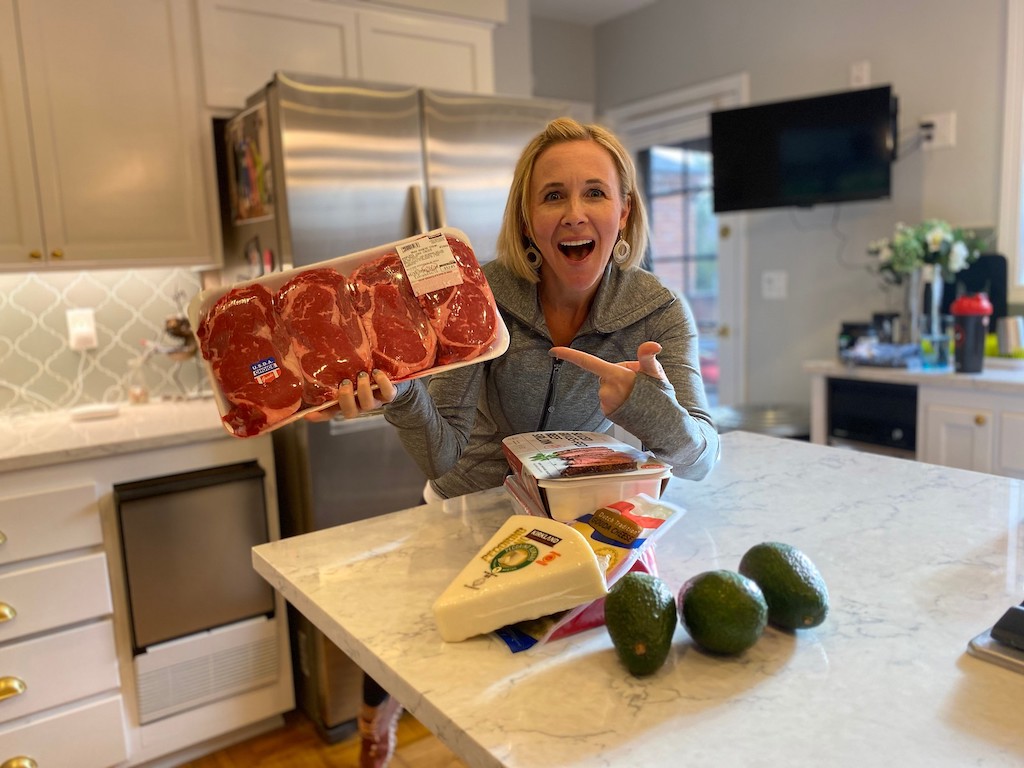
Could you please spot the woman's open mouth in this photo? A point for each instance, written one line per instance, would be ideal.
(577, 250)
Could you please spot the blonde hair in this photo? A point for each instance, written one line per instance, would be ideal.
(512, 242)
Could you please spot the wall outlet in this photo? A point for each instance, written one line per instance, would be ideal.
(938, 130)
(81, 329)
(774, 284)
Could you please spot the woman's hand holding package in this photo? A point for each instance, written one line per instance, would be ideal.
(360, 397)
(616, 379)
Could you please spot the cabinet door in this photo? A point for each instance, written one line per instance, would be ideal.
(420, 51)
(21, 234)
(113, 101)
(58, 668)
(958, 437)
(87, 736)
(1010, 457)
(245, 41)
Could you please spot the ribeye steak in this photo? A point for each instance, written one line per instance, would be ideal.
(248, 350)
(464, 317)
(326, 335)
(401, 338)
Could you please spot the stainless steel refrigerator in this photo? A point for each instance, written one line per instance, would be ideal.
(315, 168)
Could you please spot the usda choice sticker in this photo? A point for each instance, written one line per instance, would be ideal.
(265, 371)
(513, 558)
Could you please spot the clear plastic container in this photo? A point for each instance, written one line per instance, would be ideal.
(566, 500)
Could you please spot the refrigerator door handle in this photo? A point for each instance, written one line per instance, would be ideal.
(437, 207)
(419, 213)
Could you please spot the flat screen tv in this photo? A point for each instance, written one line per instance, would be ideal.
(833, 148)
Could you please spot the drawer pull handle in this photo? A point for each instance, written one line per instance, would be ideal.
(978, 420)
(7, 613)
(10, 687)
(19, 762)
(3, 540)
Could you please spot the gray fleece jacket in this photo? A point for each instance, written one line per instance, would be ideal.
(453, 423)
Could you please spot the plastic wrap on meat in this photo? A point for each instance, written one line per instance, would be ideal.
(400, 335)
(326, 336)
(464, 317)
(251, 359)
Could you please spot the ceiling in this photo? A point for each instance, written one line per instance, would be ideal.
(587, 13)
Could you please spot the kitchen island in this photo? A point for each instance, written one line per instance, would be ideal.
(918, 559)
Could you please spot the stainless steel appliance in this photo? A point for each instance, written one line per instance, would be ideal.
(315, 168)
(203, 623)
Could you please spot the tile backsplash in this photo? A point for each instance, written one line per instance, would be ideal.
(40, 372)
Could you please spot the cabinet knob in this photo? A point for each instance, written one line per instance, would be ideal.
(56, 253)
(7, 613)
(33, 255)
(979, 420)
(11, 686)
(3, 540)
(19, 762)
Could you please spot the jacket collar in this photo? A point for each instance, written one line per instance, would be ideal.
(623, 298)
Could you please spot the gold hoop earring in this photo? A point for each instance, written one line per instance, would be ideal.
(533, 257)
(621, 251)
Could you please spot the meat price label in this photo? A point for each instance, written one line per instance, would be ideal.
(430, 264)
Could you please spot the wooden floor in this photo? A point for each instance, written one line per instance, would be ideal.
(298, 745)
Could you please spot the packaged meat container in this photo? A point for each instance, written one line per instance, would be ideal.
(569, 474)
(278, 347)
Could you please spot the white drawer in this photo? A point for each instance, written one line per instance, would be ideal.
(52, 521)
(59, 668)
(53, 595)
(89, 736)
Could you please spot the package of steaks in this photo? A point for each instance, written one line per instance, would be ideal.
(565, 474)
(279, 346)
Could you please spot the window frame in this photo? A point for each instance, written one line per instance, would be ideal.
(1011, 198)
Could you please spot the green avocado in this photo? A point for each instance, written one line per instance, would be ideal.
(640, 615)
(723, 611)
(796, 593)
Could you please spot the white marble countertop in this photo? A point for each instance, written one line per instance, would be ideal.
(40, 439)
(995, 376)
(918, 560)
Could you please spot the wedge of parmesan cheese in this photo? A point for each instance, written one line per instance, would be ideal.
(532, 567)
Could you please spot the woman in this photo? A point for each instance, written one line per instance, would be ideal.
(566, 283)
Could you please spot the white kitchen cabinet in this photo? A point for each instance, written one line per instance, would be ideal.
(245, 41)
(482, 10)
(433, 54)
(105, 142)
(58, 655)
(982, 431)
(78, 737)
(969, 421)
(955, 436)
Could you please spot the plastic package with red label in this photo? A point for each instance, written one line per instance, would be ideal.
(279, 346)
(622, 534)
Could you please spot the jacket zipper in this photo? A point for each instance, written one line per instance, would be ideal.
(556, 366)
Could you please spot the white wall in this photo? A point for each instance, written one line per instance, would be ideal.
(939, 55)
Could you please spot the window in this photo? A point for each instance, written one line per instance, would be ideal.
(684, 237)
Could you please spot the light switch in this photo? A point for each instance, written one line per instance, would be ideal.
(774, 284)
